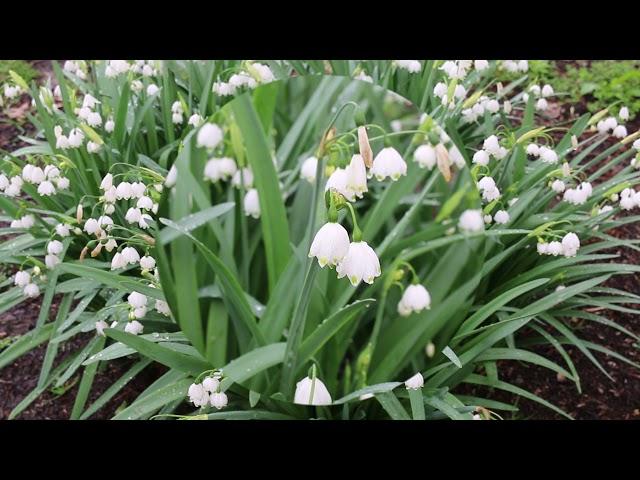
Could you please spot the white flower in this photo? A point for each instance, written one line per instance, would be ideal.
(627, 202)
(51, 172)
(91, 226)
(623, 114)
(414, 383)
(105, 221)
(4, 181)
(163, 307)
(110, 245)
(62, 229)
(76, 137)
(145, 218)
(388, 163)
(610, 123)
(486, 183)
(219, 400)
(110, 195)
(308, 169)
(543, 248)
(481, 158)
(124, 191)
(134, 327)
(363, 77)
(109, 125)
(245, 174)
(145, 203)
(94, 119)
(554, 248)
(471, 221)
(330, 244)
(138, 189)
(487, 219)
(177, 118)
(264, 72)
(62, 183)
(224, 89)
(46, 188)
(100, 326)
(209, 135)
(93, 147)
(547, 90)
(360, 263)
(440, 89)
(147, 70)
(412, 66)
(147, 262)
(414, 299)
(620, 131)
(118, 261)
(425, 155)
(311, 392)
(357, 175)
(198, 395)
(338, 182)
(542, 104)
(54, 247)
(506, 106)
(22, 279)
(62, 142)
(137, 300)
(31, 290)
(70, 66)
(51, 261)
(172, 176)
(491, 145)
(195, 120)
(493, 106)
(570, 244)
(480, 65)
(501, 217)
(251, 203)
(523, 65)
(558, 186)
(109, 208)
(152, 89)
(211, 384)
(133, 215)
(547, 155)
(533, 149)
(130, 255)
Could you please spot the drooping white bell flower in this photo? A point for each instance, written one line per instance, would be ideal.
(492, 106)
(209, 136)
(558, 186)
(137, 300)
(620, 131)
(218, 400)
(91, 226)
(440, 89)
(245, 174)
(357, 176)
(76, 137)
(425, 156)
(133, 215)
(130, 255)
(491, 145)
(542, 104)
(138, 189)
(22, 279)
(623, 114)
(570, 244)
(480, 65)
(308, 169)
(195, 120)
(51, 172)
(51, 261)
(471, 221)
(487, 218)
(481, 158)
(412, 66)
(145, 218)
(414, 299)
(62, 183)
(311, 392)
(134, 327)
(388, 163)
(118, 261)
(152, 89)
(4, 181)
(330, 244)
(415, 383)
(144, 203)
(110, 195)
(547, 90)
(46, 188)
(359, 264)
(105, 221)
(211, 384)
(107, 182)
(338, 182)
(554, 248)
(94, 119)
(62, 229)
(198, 395)
(124, 191)
(548, 155)
(54, 247)
(31, 290)
(109, 125)
(147, 262)
(501, 217)
(252, 203)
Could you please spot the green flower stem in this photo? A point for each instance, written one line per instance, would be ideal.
(417, 404)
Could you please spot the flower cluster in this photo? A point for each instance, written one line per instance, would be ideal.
(568, 246)
(255, 74)
(208, 392)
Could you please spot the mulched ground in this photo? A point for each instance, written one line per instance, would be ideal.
(600, 398)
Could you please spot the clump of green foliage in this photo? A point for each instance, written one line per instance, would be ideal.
(22, 68)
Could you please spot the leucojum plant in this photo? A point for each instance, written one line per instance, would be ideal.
(318, 247)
